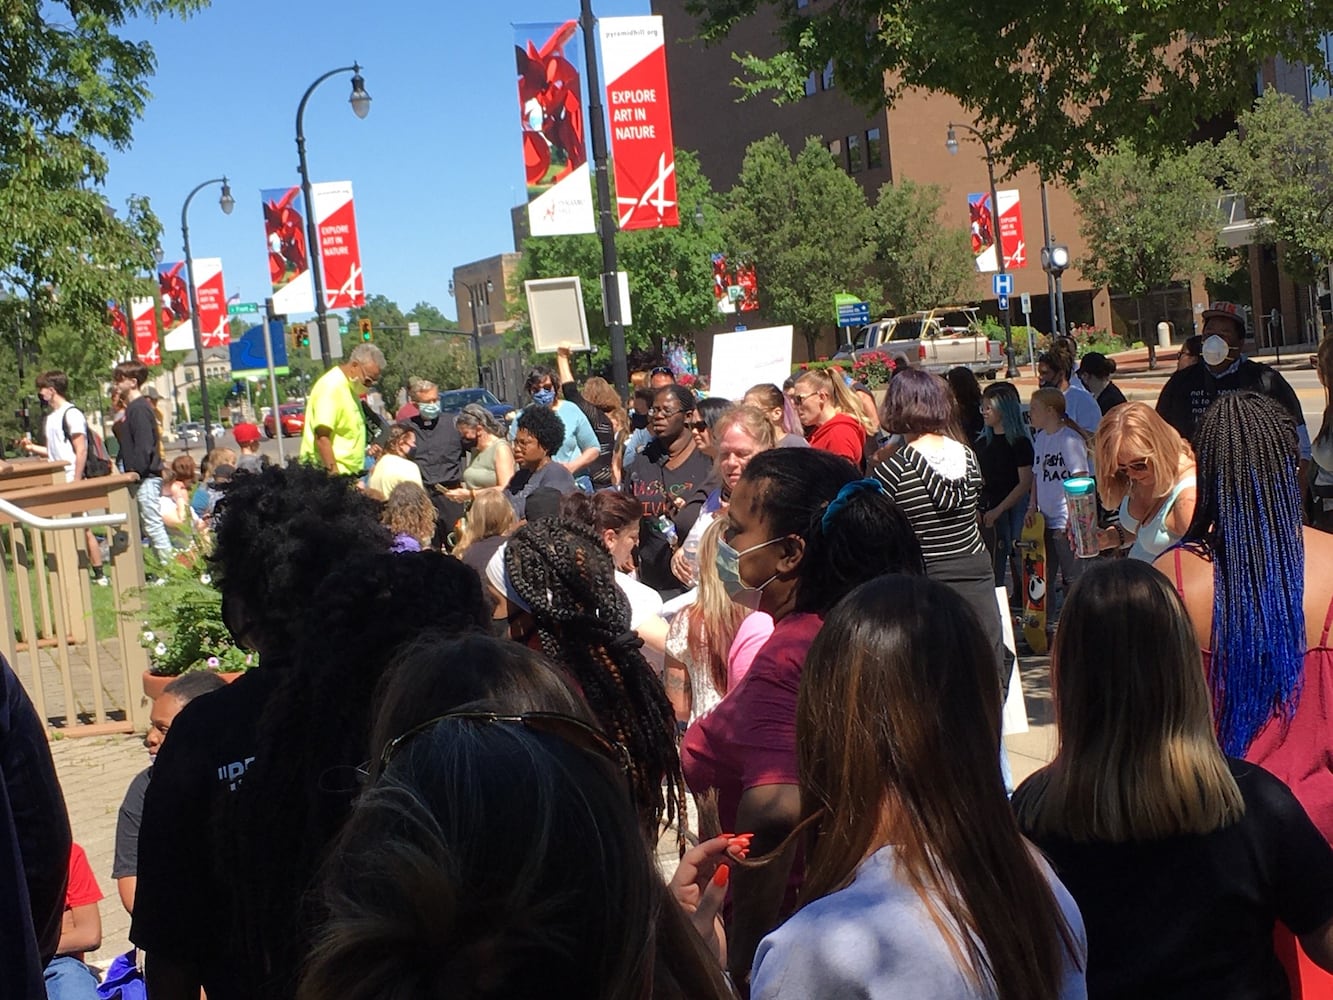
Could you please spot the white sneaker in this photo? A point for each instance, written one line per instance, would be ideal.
(101, 581)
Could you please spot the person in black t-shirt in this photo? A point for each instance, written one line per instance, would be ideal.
(1005, 456)
(141, 452)
(277, 535)
(439, 455)
(1224, 369)
(1095, 371)
(1180, 859)
(668, 479)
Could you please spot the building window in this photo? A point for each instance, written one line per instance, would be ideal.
(874, 149)
(811, 84)
(1319, 88)
(835, 150)
(855, 160)
(827, 80)
(800, 4)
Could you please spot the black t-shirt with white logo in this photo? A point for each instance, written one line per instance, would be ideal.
(1188, 393)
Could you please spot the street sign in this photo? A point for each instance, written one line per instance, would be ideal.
(413, 329)
(853, 313)
(241, 308)
(1002, 285)
(1003, 301)
(1025, 303)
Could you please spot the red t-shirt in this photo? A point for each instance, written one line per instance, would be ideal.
(83, 888)
(842, 435)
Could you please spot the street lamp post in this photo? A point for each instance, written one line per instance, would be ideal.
(473, 291)
(360, 102)
(951, 144)
(227, 203)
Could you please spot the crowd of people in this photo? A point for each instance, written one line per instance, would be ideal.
(499, 664)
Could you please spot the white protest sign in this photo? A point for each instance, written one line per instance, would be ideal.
(749, 357)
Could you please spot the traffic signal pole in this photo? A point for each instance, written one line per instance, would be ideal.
(269, 318)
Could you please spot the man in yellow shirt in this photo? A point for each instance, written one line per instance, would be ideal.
(335, 429)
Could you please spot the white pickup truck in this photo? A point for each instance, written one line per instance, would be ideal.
(935, 339)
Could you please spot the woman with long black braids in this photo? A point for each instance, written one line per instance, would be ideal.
(562, 574)
(1259, 589)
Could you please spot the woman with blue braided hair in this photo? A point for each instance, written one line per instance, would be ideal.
(1259, 589)
(803, 530)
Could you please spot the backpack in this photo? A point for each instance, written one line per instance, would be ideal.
(98, 462)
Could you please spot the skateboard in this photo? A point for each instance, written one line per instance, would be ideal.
(1031, 546)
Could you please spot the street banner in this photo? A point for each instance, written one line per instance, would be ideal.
(339, 256)
(146, 346)
(983, 231)
(177, 330)
(288, 259)
(735, 288)
(634, 59)
(555, 153)
(212, 302)
(116, 315)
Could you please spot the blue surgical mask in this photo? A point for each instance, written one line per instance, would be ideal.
(429, 411)
(544, 397)
(728, 565)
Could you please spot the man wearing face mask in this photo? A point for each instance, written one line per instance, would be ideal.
(335, 429)
(1224, 369)
(439, 454)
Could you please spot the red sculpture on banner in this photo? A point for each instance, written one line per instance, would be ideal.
(552, 106)
(175, 296)
(118, 321)
(286, 237)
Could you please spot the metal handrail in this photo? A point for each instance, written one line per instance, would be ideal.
(45, 523)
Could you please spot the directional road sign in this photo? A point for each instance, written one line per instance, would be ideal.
(241, 308)
(853, 313)
(1002, 301)
(1002, 284)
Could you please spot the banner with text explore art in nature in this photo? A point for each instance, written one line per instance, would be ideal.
(983, 231)
(553, 124)
(145, 332)
(634, 57)
(339, 256)
(288, 258)
(212, 302)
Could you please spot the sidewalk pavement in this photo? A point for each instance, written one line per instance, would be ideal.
(95, 771)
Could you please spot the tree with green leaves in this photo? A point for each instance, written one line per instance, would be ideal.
(1150, 221)
(922, 262)
(669, 269)
(445, 359)
(1060, 83)
(806, 226)
(71, 87)
(1281, 159)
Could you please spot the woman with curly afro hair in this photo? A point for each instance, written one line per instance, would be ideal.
(539, 436)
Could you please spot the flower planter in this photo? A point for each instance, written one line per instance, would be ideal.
(155, 684)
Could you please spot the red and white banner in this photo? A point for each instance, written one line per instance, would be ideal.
(146, 347)
(212, 302)
(177, 330)
(288, 257)
(1011, 231)
(339, 256)
(637, 103)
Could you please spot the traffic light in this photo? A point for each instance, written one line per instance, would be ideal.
(300, 335)
(367, 330)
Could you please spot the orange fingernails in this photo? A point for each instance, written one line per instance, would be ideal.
(721, 876)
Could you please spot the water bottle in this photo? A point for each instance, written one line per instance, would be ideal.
(1081, 498)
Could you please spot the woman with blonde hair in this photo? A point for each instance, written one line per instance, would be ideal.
(1180, 858)
(775, 405)
(832, 416)
(489, 521)
(1145, 469)
(699, 639)
(410, 516)
(918, 882)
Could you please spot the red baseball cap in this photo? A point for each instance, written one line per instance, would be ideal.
(245, 433)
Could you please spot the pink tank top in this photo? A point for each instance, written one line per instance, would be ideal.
(1299, 752)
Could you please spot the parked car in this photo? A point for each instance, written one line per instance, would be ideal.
(190, 431)
(293, 420)
(453, 400)
(934, 339)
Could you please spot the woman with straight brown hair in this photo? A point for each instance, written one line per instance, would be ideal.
(918, 882)
(1180, 858)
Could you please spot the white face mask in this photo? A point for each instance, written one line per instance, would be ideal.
(1215, 350)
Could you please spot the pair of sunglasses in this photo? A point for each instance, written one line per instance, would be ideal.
(697, 425)
(563, 727)
(661, 370)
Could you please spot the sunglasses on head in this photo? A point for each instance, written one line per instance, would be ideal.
(566, 728)
(661, 370)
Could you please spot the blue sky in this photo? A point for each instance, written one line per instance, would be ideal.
(436, 165)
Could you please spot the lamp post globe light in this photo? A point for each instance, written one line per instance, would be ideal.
(360, 102)
(227, 202)
(951, 144)
(473, 292)
(1055, 261)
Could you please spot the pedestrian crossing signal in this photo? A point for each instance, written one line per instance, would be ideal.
(367, 330)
